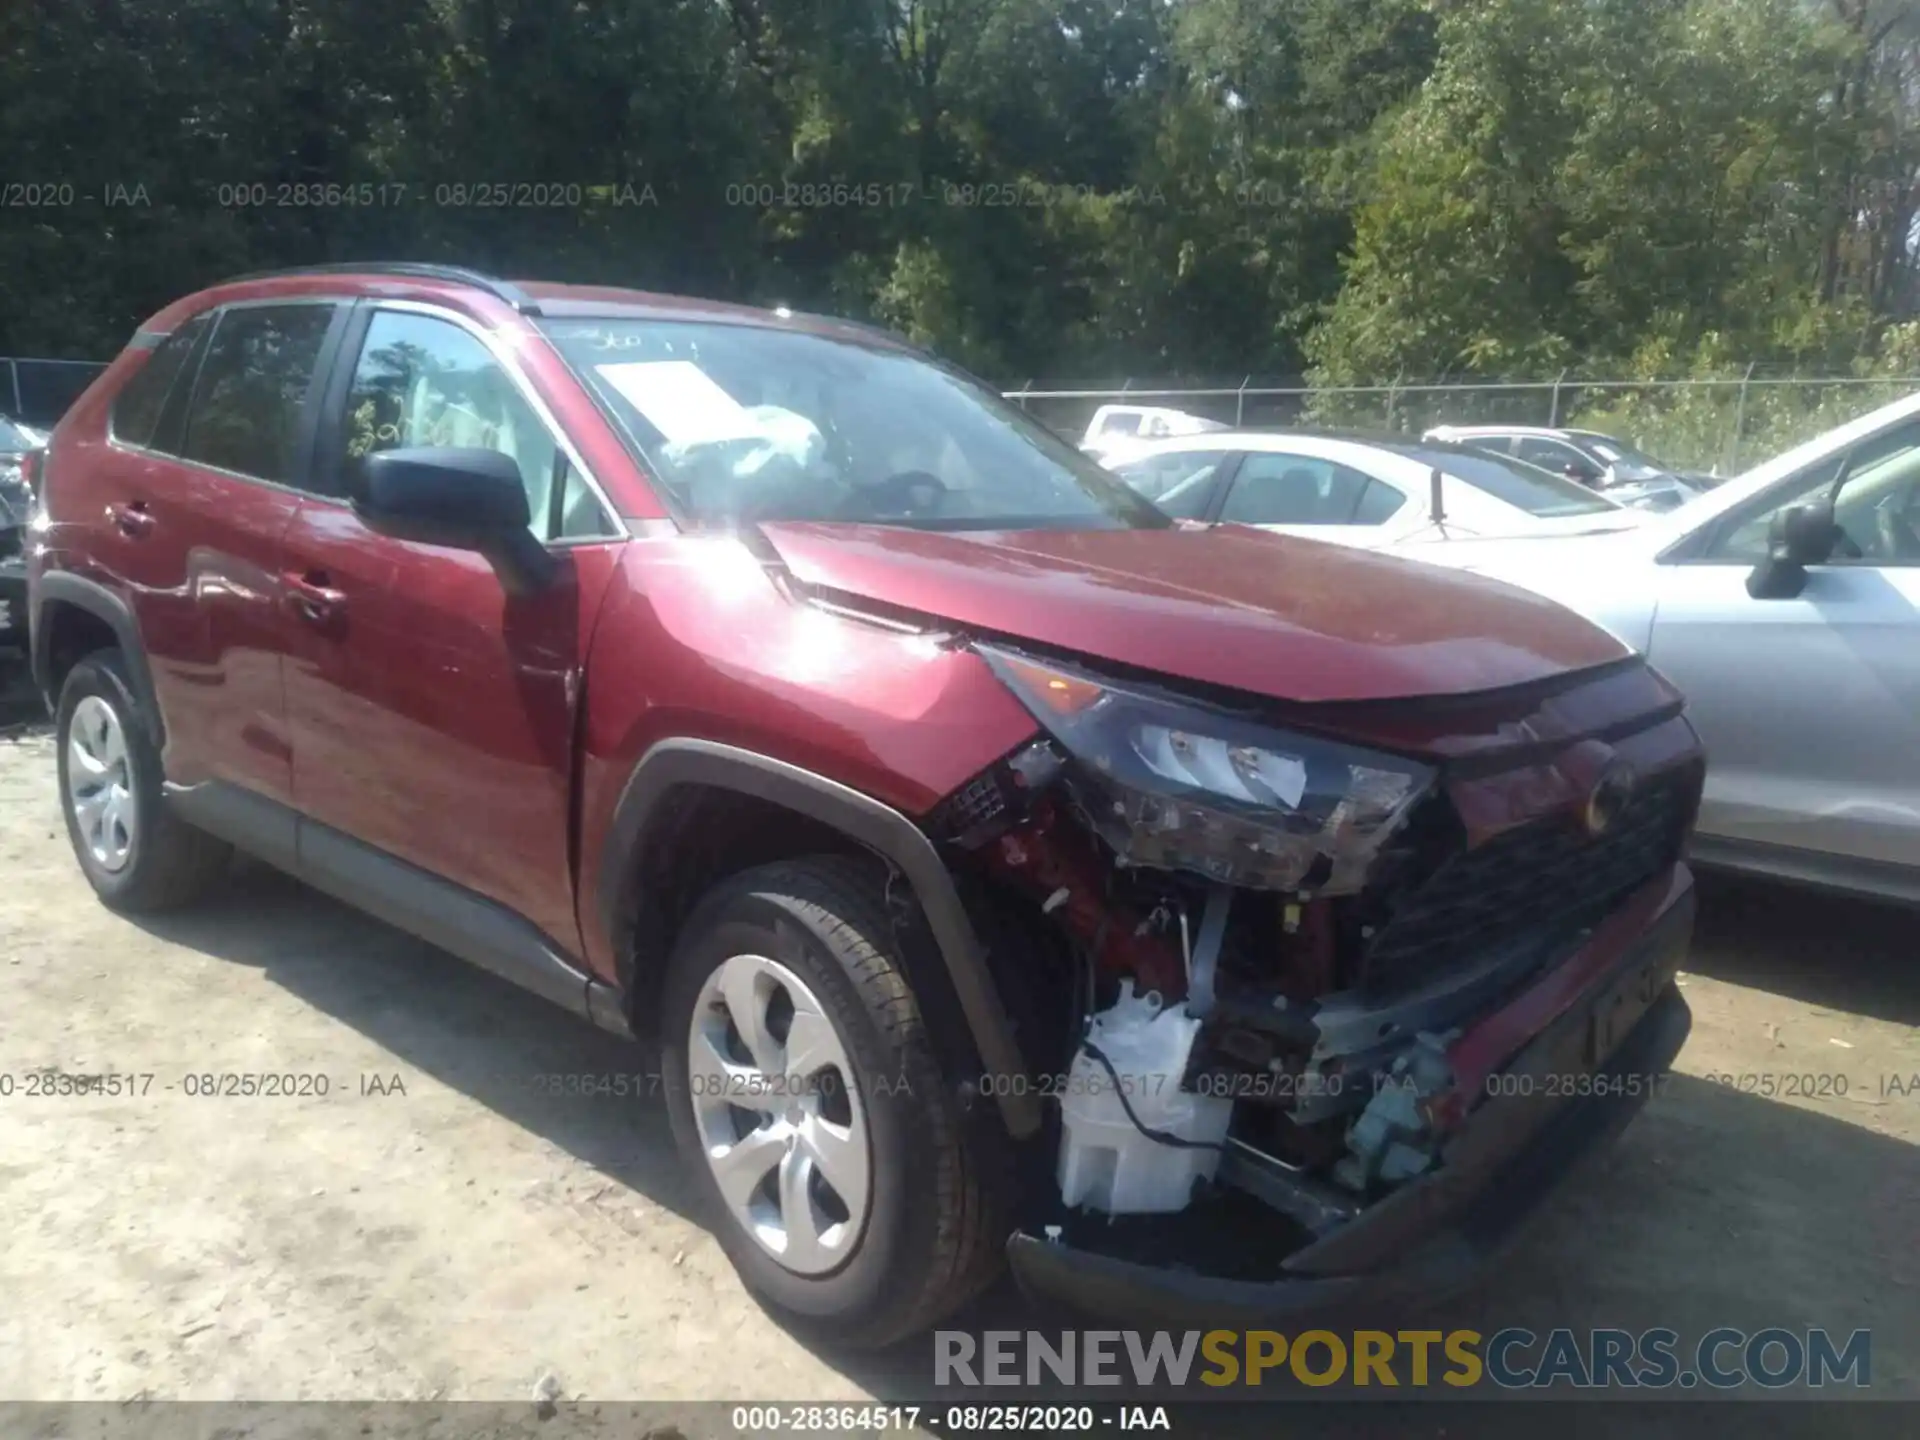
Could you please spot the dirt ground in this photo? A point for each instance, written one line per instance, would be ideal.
(466, 1233)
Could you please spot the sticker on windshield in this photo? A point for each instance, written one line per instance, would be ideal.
(681, 401)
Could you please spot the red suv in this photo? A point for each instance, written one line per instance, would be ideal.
(757, 685)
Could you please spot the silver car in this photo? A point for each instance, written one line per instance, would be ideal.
(1786, 606)
(1593, 459)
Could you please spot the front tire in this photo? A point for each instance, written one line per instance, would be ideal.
(808, 1105)
(135, 852)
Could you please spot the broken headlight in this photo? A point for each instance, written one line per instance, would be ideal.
(1179, 785)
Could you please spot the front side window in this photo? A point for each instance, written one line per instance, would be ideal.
(1551, 454)
(135, 416)
(747, 423)
(252, 390)
(1179, 484)
(422, 381)
(1274, 489)
(1628, 462)
(1492, 444)
(1877, 506)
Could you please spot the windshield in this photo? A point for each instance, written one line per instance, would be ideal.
(747, 423)
(1539, 492)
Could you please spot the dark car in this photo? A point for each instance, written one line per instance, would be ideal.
(1608, 465)
(757, 685)
(19, 447)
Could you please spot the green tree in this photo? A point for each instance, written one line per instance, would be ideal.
(1576, 184)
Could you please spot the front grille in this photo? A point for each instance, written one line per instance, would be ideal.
(1538, 879)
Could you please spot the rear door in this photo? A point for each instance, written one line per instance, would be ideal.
(432, 713)
(203, 483)
(1810, 706)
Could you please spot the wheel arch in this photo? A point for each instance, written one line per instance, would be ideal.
(72, 616)
(822, 813)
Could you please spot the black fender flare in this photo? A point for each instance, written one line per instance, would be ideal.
(64, 588)
(876, 827)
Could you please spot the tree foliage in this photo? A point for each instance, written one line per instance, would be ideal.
(1065, 188)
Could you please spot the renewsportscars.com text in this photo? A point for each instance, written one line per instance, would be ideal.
(1511, 1359)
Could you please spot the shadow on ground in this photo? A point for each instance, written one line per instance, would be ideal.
(467, 1029)
(20, 706)
(1720, 1208)
(1840, 954)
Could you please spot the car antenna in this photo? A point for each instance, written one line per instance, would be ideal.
(1436, 507)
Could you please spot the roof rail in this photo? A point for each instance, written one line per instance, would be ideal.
(458, 274)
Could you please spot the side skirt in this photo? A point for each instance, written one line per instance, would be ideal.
(1834, 874)
(478, 930)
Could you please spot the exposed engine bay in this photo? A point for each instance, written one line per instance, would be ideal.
(1284, 943)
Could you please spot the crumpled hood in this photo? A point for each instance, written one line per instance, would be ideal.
(1269, 614)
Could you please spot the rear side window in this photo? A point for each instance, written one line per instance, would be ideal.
(1552, 455)
(1538, 492)
(137, 409)
(252, 391)
(1378, 504)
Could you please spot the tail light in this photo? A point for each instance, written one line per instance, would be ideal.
(32, 464)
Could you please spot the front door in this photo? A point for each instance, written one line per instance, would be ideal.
(432, 713)
(1810, 707)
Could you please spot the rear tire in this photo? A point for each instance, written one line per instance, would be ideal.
(811, 938)
(135, 852)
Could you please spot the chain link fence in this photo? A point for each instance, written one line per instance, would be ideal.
(1718, 425)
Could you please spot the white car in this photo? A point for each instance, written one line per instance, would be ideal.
(1120, 430)
(1785, 605)
(1373, 493)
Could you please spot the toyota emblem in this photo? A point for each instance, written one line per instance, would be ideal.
(1611, 792)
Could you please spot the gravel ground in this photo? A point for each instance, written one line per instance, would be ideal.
(442, 1225)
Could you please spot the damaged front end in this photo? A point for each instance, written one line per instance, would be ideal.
(1304, 962)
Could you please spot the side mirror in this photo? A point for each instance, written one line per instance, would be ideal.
(1804, 534)
(1798, 536)
(459, 497)
(1584, 474)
